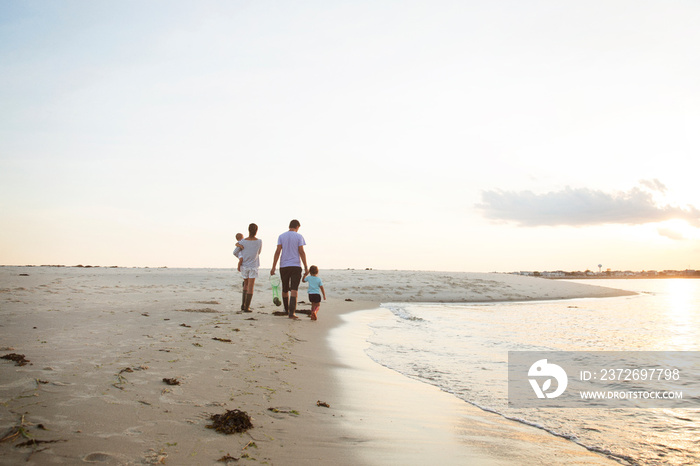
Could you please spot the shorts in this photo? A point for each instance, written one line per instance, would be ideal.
(249, 272)
(314, 298)
(291, 277)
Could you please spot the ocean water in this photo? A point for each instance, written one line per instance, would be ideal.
(463, 349)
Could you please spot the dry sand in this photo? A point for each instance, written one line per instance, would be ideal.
(100, 342)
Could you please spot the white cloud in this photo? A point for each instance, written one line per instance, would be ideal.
(671, 234)
(583, 206)
(654, 185)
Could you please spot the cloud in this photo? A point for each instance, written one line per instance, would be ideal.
(672, 234)
(583, 206)
(654, 185)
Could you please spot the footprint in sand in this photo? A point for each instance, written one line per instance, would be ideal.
(99, 457)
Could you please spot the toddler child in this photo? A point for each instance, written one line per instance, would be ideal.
(315, 290)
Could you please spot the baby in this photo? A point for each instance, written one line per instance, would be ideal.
(239, 248)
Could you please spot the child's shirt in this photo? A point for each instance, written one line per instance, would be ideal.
(315, 284)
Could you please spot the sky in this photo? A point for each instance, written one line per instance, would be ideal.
(464, 135)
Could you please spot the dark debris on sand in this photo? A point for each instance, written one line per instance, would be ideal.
(19, 359)
(171, 381)
(232, 421)
(34, 442)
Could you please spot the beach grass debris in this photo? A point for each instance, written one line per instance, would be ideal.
(185, 325)
(225, 340)
(231, 422)
(121, 381)
(17, 431)
(19, 359)
(132, 369)
(322, 403)
(171, 381)
(227, 459)
(33, 442)
(284, 411)
(206, 310)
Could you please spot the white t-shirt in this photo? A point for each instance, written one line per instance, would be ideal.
(290, 241)
(250, 253)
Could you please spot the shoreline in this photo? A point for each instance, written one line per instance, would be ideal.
(408, 421)
(101, 340)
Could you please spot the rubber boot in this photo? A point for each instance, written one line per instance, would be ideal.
(248, 298)
(245, 295)
(292, 305)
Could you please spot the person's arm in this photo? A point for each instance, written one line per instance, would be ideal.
(276, 258)
(240, 261)
(302, 254)
(323, 290)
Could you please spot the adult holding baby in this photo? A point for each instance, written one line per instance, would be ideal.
(290, 254)
(248, 264)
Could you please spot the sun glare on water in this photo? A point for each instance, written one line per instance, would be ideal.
(683, 312)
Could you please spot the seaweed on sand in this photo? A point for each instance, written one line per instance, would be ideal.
(19, 359)
(232, 421)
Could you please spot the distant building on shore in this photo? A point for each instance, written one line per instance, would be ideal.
(689, 273)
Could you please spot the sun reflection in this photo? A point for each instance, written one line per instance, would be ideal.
(682, 313)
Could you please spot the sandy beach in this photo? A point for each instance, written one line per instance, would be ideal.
(99, 344)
